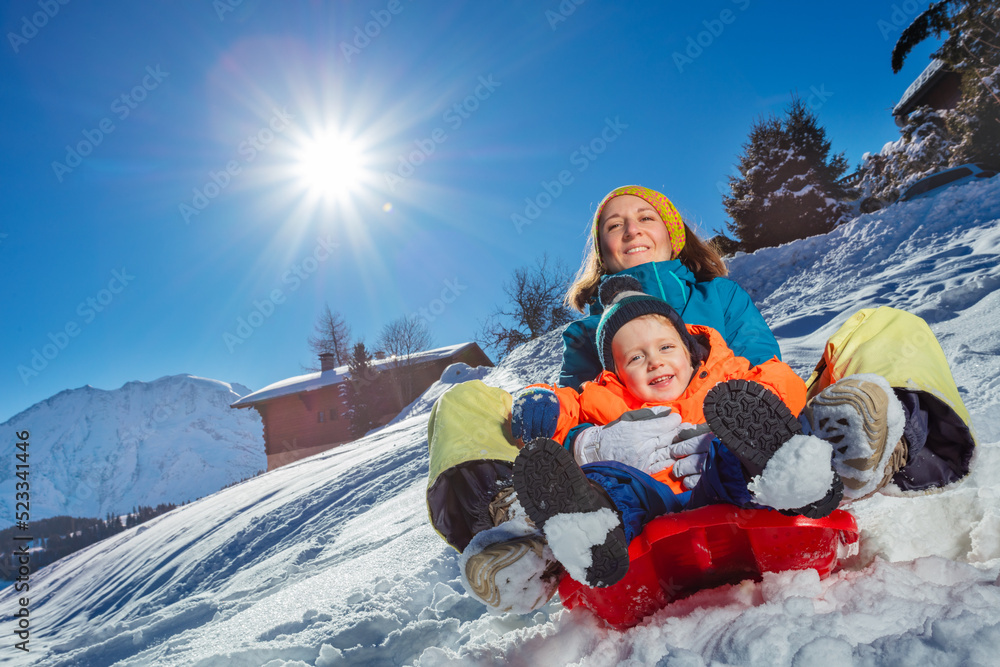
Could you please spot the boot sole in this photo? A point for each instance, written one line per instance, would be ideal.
(750, 420)
(548, 482)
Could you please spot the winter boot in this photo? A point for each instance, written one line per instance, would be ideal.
(862, 418)
(580, 522)
(509, 567)
(785, 469)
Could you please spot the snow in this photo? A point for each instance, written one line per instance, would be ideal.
(799, 473)
(331, 560)
(572, 537)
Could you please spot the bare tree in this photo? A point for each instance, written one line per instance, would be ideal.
(333, 335)
(535, 307)
(399, 340)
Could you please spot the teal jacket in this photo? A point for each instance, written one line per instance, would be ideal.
(719, 303)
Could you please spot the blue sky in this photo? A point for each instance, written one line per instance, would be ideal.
(162, 210)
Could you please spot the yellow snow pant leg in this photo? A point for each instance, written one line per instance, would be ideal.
(471, 456)
(901, 347)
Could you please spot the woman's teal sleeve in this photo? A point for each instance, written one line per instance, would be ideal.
(747, 334)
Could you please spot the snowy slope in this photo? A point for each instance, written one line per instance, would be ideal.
(94, 451)
(331, 561)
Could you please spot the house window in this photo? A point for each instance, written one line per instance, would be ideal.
(320, 416)
(333, 414)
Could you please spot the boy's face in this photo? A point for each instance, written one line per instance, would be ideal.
(651, 360)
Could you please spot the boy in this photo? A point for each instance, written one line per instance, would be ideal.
(589, 515)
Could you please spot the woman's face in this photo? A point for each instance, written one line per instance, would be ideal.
(632, 233)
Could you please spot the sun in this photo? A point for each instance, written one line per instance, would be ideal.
(330, 166)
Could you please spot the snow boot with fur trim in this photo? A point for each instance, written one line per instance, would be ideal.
(786, 470)
(579, 520)
(509, 567)
(862, 418)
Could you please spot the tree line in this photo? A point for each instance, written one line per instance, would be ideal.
(60, 536)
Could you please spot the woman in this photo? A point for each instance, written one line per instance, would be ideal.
(636, 231)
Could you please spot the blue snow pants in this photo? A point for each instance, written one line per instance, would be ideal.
(640, 498)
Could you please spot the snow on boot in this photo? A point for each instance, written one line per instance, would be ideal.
(862, 418)
(581, 524)
(799, 478)
(788, 471)
(509, 567)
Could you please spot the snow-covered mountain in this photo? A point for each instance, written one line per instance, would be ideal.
(94, 451)
(331, 560)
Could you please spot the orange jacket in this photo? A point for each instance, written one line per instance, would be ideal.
(606, 398)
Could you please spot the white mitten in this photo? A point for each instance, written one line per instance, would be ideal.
(637, 438)
(687, 454)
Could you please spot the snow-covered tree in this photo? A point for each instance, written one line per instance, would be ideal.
(925, 146)
(972, 50)
(788, 185)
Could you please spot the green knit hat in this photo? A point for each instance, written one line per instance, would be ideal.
(624, 301)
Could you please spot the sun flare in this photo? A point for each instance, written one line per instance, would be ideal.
(331, 166)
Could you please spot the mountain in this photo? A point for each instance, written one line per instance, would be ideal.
(331, 560)
(95, 451)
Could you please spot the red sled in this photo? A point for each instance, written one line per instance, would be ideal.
(679, 554)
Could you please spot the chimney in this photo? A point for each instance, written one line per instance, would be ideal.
(326, 361)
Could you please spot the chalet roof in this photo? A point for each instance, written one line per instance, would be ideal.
(312, 381)
(934, 71)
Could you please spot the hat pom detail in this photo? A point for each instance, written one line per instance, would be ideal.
(614, 286)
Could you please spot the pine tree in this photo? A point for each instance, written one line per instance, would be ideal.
(364, 393)
(972, 50)
(788, 186)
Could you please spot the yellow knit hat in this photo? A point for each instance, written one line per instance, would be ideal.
(671, 218)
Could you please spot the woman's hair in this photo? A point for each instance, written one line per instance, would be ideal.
(701, 257)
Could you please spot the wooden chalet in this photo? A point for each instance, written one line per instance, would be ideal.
(937, 87)
(307, 414)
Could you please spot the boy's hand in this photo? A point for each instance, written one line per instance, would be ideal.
(638, 438)
(534, 414)
(687, 454)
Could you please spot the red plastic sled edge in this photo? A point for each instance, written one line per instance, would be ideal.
(679, 554)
